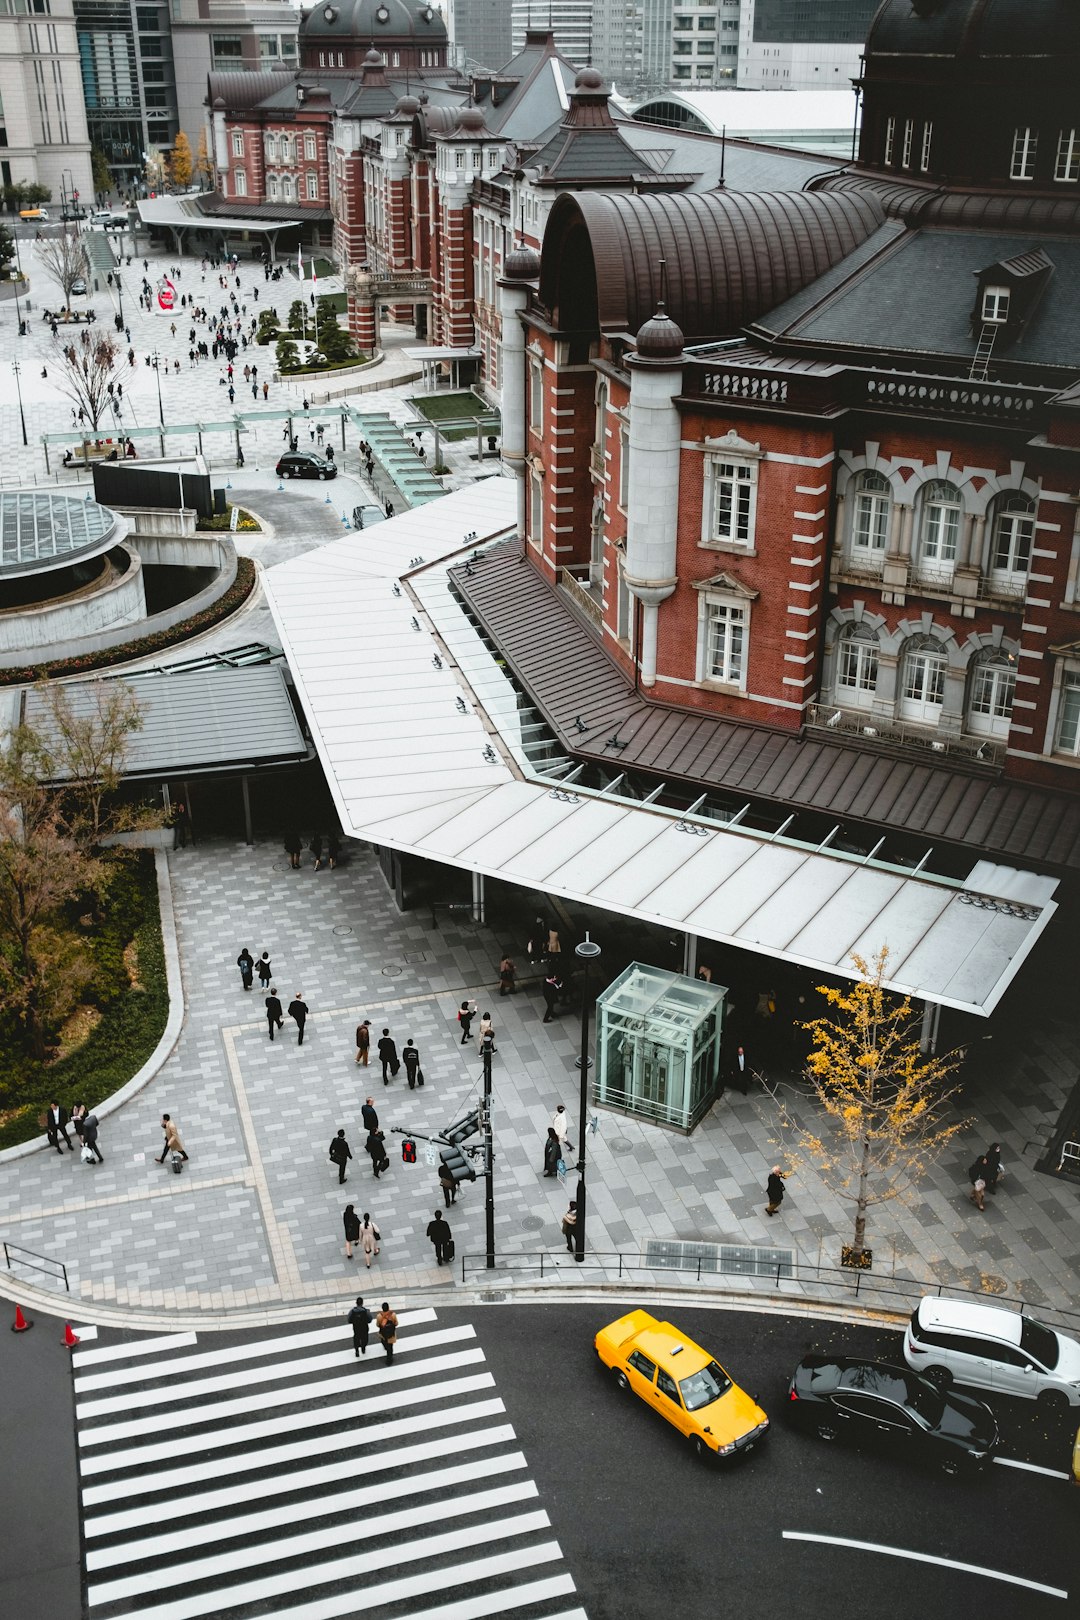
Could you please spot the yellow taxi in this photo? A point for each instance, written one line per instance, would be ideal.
(682, 1382)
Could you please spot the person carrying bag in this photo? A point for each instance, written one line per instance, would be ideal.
(387, 1325)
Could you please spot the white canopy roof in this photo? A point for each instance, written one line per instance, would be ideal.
(380, 674)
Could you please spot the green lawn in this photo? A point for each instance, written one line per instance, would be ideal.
(450, 407)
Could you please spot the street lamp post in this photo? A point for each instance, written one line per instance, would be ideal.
(119, 298)
(489, 1163)
(155, 361)
(16, 368)
(587, 953)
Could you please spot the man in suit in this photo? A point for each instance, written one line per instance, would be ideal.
(411, 1059)
(298, 1011)
(340, 1153)
(438, 1232)
(89, 1136)
(387, 1056)
(360, 1319)
(56, 1123)
(273, 1011)
(369, 1116)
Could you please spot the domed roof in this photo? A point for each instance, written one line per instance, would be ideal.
(521, 264)
(660, 338)
(589, 79)
(373, 59)
(975, 28)
(406, 107)
(471, 119)
(375, 20)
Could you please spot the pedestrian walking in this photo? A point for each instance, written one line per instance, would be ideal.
(368, 1115)
(388, 1057)
(333, 849)
(273, 1012)
(56, 1124)
(246, 963)
(569, 1225)
(263, 969)
(316, 849)
(376, 1146)
(293, 848)
(507, 976)
(487, 1033)
(977, 1176)
(351, 1222)
(363, 1043)
(370, 1238)
(411, 1059)
(173, 1143)
(387, 1325)
(774, 1190)
(448, 1184)
(298, 1012)
(360, 1322)
(439, 1236)
(89, 1134)
(561, 1125)
(552, 990)
(994, 1169)
(265, 389)
(466, 1013)
(340, 1153)
(552, 1153)
(181, 826)
(738, 1070)
(554, 946)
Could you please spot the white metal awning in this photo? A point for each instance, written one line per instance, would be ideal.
(380, 676)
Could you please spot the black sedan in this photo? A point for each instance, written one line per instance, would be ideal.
(871, 1403)
(305, 464)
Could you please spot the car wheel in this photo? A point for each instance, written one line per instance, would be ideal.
(826, 1430)
(939, 1376)
(702, 1452)
(1053, 1402)
(322, 477)
(622, 1382)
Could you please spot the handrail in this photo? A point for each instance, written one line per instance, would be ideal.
(49, 1261)
(834, 1283)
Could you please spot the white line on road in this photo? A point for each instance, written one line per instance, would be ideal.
(1032, 1468)
(924, 1558)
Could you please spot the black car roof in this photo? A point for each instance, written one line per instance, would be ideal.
(874, 1378)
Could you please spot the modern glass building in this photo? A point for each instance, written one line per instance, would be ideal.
(658, 1046)
(126, 57)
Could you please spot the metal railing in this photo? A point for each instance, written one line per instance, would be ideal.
(12, 1251)
(874, 728)
(797, 1279)
(585, 599)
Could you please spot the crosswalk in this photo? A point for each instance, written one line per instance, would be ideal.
(282, 1476)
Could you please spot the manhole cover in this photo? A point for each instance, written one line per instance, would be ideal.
(412, 957)
(532, 1223)
(619, 1144)
(343, 929)
(279, 866)
(391, 972)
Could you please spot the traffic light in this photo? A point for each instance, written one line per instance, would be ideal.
(408, 1151)
(458, 1165)
(463, 1129)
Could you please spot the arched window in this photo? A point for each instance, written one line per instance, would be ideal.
(939, 535)
(870, 515)
(922, 691)
(991, 689)
(856, 666)
(1010, 540)
(601, 423)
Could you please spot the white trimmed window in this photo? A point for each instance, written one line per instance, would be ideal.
(624, 466)
(288, 188)
(890, 139)
(272, 183)
(990, 694)
(870, 514)
(857, 667)
(922, 693)
(536, 396)
(309, 148)
(239, 183)
(1067, 166)
(940, 530)
(927, 141)
(271, 148)
(723, 639)
(1010, 546)
(536, 510)
(995, 305)
(238, 143)
(1025, 145)
(909, 134)
(1067, 735)
(312, 185)
(730, 503)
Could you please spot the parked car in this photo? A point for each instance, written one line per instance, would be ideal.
(364, 516)
(992, 1348)
(682, 1382)
(79, 287)
(305, 464)
(874, 1404)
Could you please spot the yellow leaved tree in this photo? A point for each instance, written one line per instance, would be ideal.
(885, 1100)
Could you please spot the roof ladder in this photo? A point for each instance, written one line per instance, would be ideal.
(985, 348)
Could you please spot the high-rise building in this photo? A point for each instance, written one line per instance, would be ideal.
(129, 82)
(571, 21)
(480, 32)
(790, 45)
(226, 36)
(43, 133)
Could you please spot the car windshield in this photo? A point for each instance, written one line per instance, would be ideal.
(1039, 1342)
(925, 1400)
(704, 1387)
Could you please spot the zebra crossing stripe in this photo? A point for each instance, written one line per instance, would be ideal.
(358, 1567)
(238, 1558)
(126, 1352)
(173, 1479)
(340, 1334)
(474, 1607)
(317, 1390)
(247, 1377)
(109, 1524)
(180, 1538)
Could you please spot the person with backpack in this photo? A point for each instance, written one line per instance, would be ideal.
(387, 1325)
(246, 963)
(360, 1322)
(340, 1154)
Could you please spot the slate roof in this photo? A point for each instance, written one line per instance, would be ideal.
(567, 672)
(544, 81)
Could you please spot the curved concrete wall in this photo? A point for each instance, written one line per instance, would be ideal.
(120, 601)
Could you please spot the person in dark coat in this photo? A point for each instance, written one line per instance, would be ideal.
(363, 1042)
(78, 1115)
(316, 849)
(411, 1059)
(340, 1153)
(388, 1056)
(992, 1157)
(351, 1222)
(775, 1190)
(263, 969)
(293, 848)
(273, 1012)
(369, 1116)
(376, 1146)
(448, 1184)
(56, 1124)
(438, 1232)
(387, 1324)
(465, 1017)
(360, 1320)
(246, 963)
(298, 1011)
(552, 1153)
(552, 988)
(89, 1136)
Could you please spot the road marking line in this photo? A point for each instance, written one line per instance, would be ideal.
(473, 1607)
(121, 1352)
(924, 1558)
(1032, 1468)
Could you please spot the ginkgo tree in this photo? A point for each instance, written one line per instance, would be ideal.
(889, 1107)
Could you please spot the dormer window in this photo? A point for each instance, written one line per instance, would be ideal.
(995, 305)
(1025, 145)
(1067, 166)
(890, 139)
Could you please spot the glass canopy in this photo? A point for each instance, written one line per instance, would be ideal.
(658, 1046)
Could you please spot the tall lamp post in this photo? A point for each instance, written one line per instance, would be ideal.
(489, 1163)
(16, 368)
(587, 953)
(155, 361)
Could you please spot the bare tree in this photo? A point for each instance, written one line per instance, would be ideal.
(89, 367)
(84, 748)
(65, 259)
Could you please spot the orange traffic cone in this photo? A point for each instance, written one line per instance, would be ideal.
(70, 1339)
(20, 1324)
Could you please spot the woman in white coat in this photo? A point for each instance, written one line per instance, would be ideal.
(369, 1239)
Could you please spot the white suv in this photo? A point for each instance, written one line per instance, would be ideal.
(991, 1348)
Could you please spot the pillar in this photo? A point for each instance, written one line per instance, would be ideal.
(652, 491)
(521, 267)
